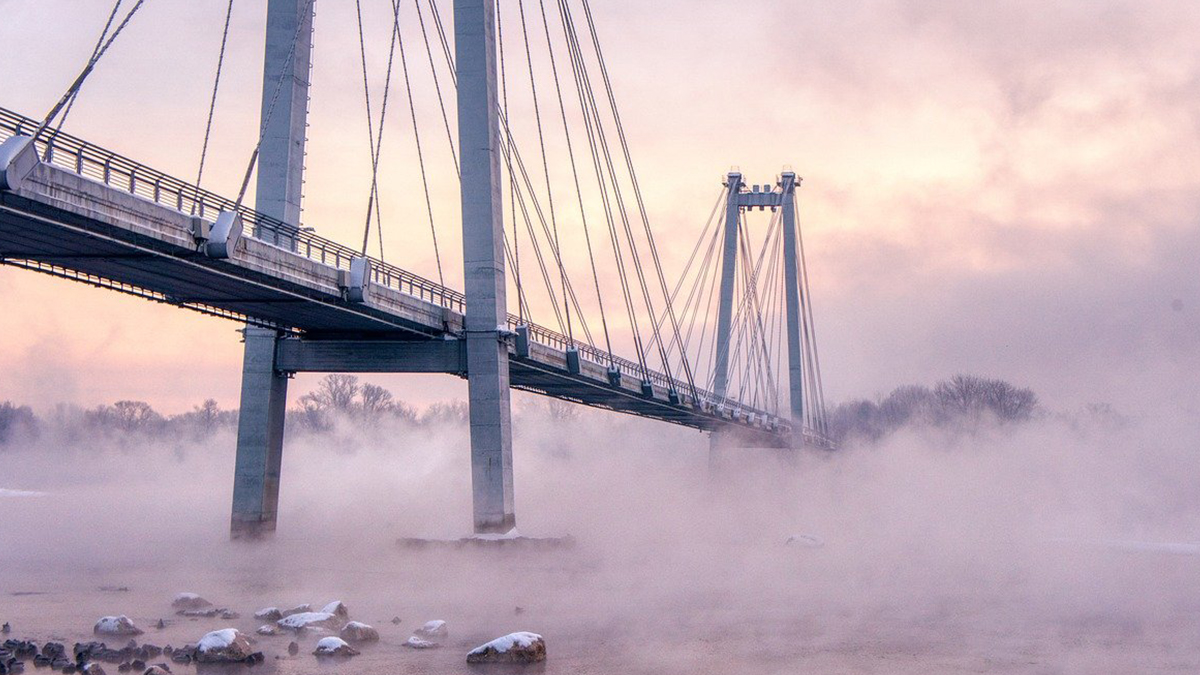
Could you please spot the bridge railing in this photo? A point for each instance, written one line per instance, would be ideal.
(117, 171)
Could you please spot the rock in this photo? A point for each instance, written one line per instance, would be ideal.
(189, 601)
(293, 648)
(54, 650)
(435, 629)
(512, 648)
(359, 632)
(116, 625)
(395, 621)
(417, 643)
(137, 664)
(93, 669)
(267, 629)
(334, 646)
(124, 667)
(223, 646)
(268, 614)
(298, 609)
(518, 610)
(6, 629)
(157, 669)
(310, 620)
(338, 609)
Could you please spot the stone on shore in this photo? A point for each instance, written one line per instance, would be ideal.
(435, 629)
(268, 614)
(417, 643)
(223, 646)
(334, 646)
(298, 609)
(116, 625)
(338, 609)
(310, 620)
(356, 631)
(512, 648)
(189, 601)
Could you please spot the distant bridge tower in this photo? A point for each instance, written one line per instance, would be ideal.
(741, 198)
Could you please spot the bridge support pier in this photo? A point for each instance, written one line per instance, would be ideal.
(259, 439)
(483, 267)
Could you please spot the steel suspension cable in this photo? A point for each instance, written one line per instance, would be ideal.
(212, 104)
(437, 81)
(637, 190)
(512, 181)
(537, 115)
(412, 108)
(574, 173)
(87, 69)
(262, 132)
(112, 15)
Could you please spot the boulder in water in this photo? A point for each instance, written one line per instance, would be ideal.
(298, 609)
(417, 643)
(310, 620)
(223, 646)
(512, 648)
(268, 614)
(334, 646)
(116, 625)
(267, 629)
(157, 669)
(185, 601)
(356, 631)
(338, 609)
(435, 629)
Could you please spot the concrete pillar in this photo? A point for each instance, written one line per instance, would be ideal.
(483, 266)
(791, 272)
(284, 117)
(259, 439)
(286, 70)
(725, 310)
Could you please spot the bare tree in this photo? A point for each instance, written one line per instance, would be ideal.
(335, 392)
(376, 400)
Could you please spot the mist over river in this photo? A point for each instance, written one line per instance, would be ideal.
(1031, 549)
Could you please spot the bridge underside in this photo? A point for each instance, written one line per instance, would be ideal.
(76, 232)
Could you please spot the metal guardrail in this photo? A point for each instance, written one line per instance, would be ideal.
(109, 168)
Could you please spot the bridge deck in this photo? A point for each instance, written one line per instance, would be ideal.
(93, 216)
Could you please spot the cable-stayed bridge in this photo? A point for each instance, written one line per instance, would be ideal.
(730, 349)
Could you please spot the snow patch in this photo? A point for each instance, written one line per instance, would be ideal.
(503, 644)
(218, 639)
(5, 492)
(304, 619)
(511, 534)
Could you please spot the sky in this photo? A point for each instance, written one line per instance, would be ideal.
(1007, 189)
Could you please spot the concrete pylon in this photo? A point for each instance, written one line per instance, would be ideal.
(286, 66)
(483, 267)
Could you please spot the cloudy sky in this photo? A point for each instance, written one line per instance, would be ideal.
(1007, 188)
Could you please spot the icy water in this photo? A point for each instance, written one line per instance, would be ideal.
(595, 623)
(930, 559)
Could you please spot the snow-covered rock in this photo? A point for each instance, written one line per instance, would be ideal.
(298, 609)
(189, 601)
(334, 646)
(223, 646)
(116, 625)
(417, 643)
(338, 609)
(512, 648)
(432, 629)
(356, 631)
(268, 614)
(267, 629)
(310, 620)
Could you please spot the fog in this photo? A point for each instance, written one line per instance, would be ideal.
(1030, 547)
